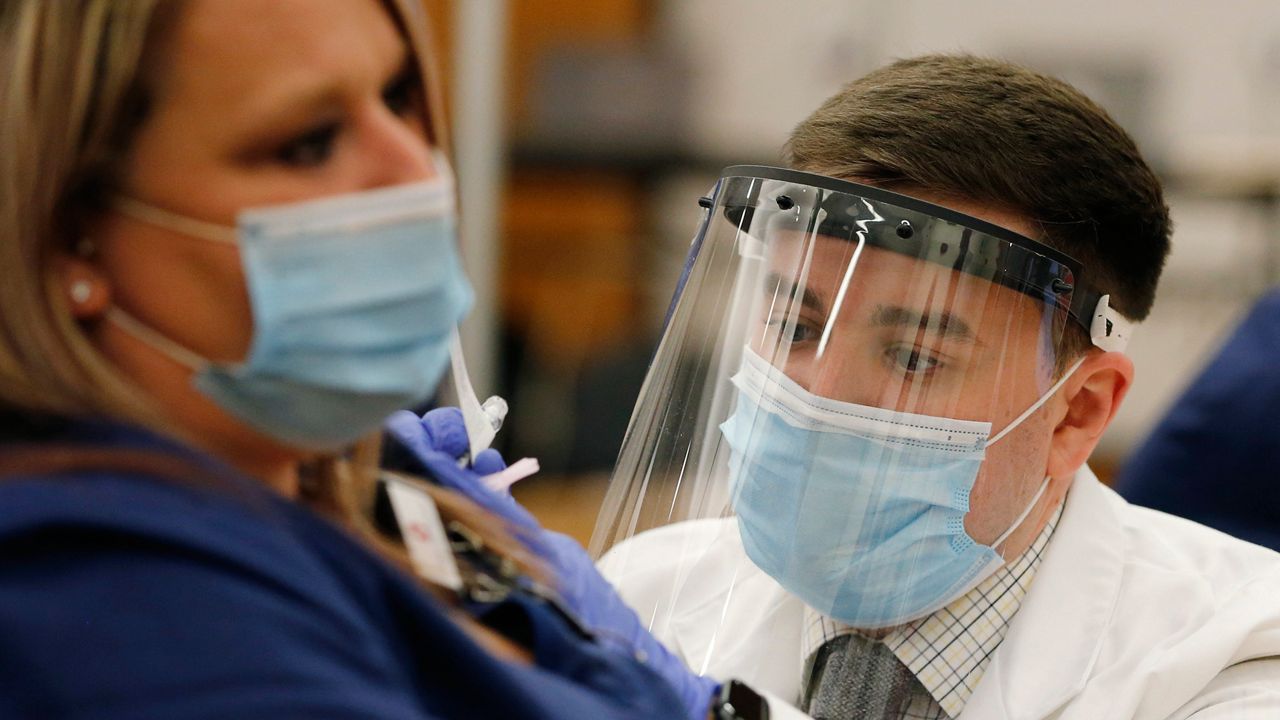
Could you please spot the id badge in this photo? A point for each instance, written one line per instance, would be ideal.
(423, 533)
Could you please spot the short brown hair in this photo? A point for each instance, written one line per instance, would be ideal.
(993, 132)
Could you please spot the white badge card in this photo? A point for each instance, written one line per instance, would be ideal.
(423, 533)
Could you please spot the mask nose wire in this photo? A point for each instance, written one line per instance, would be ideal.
(1036, 405)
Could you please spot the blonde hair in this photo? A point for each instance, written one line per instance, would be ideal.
(75, 91)
(64, 100)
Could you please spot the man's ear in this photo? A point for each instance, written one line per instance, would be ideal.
(1092, 396)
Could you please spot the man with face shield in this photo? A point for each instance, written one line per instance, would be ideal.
(855, 475)
(882, 346)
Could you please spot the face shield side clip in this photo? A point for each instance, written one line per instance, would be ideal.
(1109, 330)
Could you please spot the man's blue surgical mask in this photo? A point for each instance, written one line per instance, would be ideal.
(858, 510)
(355, 299)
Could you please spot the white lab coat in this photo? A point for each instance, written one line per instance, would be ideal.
(1132, 614)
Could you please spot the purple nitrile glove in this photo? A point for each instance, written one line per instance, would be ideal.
(437, 440)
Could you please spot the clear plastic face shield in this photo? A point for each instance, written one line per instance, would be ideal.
(836, 366)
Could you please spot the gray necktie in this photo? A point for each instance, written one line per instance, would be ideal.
(852, 678)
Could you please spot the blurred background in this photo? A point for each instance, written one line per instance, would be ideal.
(585, 130)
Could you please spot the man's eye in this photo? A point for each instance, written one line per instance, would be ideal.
(912, 359)
(794, 331)
(311, 148)
(803, 333)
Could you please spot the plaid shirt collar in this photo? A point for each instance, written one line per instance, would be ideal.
(949, 650)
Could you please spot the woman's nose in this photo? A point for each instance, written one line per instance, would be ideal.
(396, 151)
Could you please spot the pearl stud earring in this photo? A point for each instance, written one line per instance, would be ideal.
(81, 290)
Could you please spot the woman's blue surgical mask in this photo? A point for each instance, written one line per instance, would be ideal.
(355, 299)
(858, 510)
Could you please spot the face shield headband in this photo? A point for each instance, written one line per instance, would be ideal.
(842, 209)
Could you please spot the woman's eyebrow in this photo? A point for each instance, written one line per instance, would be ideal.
(296, 98)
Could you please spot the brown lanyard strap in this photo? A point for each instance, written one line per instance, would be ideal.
(35, 460)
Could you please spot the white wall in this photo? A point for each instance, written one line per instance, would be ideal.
(760, 65)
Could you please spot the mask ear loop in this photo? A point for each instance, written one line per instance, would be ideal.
(1111, 333)
(1026, 512)
(1036, 405)
(175, 352)
(1017, 421)
(199, 229)
(180, 224)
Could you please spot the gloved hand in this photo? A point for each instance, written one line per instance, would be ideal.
(437, 440)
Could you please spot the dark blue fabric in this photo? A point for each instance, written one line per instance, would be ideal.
(124, 596)
(1214, 457)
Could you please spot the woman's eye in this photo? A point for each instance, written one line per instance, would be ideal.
(912, 359)
(311, 148)
(401, 94)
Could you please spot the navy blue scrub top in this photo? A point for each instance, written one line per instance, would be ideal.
(124, 596)
(1214, 458)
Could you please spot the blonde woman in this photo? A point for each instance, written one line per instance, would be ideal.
(226, 254)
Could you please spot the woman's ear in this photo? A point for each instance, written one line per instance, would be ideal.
(88, 291)
(1093, 395)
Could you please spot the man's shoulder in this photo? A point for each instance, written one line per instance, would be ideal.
(1179, 546)
(1195, 617)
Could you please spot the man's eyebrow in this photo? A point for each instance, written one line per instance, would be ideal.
(808, 298)
(942, 323)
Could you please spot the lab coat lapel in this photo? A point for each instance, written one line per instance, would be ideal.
(1054, 640)
(737, 622)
